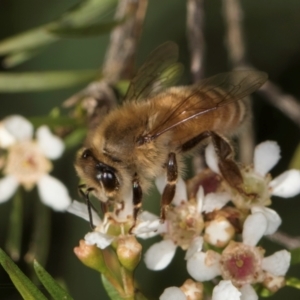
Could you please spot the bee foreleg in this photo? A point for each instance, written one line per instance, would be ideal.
(170, 188)
(137, 200)
(88, 202)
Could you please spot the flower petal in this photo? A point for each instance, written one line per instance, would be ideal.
(274, 220)
(173, 293)
(214, 201)
(8, 186)
(159, 255)
(51, 145)
(248, 292)
(196, 246)
(101, 240)
(149, 225)
(200, 199)
(6, 138)
(53, 193)
(287, 184)
(80, 210)
(266, 156)
(225, 290)
(204, 266)
(255, 227)
(278, 263)
(211, 158)
(19, 127)
(180, 192)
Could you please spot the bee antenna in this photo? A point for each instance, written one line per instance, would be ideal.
(85, 195)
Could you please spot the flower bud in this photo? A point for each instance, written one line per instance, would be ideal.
(192, 289)
(91, 256)
(129, 252)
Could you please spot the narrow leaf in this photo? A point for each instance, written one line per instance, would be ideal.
(19, 57)
(42, 81)
(84, 31)
(295, 253)
(54, 289)
(14, 237)
(25, 287)
(293, 282)
(53, 121)
(40, 239)
(75, 138)
(295, 162)
(82, 14)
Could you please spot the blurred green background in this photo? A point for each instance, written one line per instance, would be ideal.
(272, 32)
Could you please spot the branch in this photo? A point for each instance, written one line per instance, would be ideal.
(98, 97)
(235, 43)
(195, 37)
(285, 240)
(287, 104)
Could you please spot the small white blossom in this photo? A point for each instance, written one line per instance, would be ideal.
(257, 179)
(241, 263)
(100, 236)
(183, 224)
(28, 163)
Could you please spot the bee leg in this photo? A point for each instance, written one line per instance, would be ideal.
(170, 188)
(228, 168)
(137, 201)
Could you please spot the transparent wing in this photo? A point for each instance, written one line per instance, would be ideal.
(207, 95)
(160, 70)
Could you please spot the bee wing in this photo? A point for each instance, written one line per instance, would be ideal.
(209, 94)
(160, 70)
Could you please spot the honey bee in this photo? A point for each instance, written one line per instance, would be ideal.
(152, 130)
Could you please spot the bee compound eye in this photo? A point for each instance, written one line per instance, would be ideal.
(109, 180)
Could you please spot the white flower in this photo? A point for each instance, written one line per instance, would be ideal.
(190, 290)
(108, 229)
(28, 164)
(183, 224)
(256, 178)
(241, 263)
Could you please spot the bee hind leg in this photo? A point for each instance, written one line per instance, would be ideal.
(225, 153)
(170, 188)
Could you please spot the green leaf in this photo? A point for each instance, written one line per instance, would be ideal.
(43, 81)
(54, 289)
(25, 287)
(85, 13)
(40, 235)
(53, 121)
(295, 256)
(295, 162)
(19, 57)
(110, 289)
(75, 138)
(84, 31)
(293, 282)
(14, 237)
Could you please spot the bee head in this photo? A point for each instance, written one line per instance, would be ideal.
(96, 173)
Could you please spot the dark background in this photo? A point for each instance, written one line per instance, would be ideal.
(273, 45)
